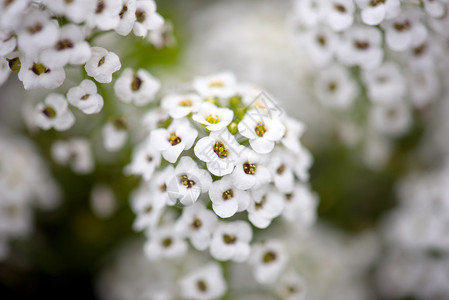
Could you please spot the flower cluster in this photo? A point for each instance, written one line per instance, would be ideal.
(39, 39)
(220, 151)
(389, 55)
(25, 182)
(416, 236)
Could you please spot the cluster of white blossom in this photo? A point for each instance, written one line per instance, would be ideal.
(25, 183)
(416, 237)
(220, 151)
(39, 39)
(387, 54)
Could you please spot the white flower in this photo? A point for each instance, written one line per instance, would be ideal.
(423, 87)
(269, 260)
(115, 134)
(70, 47)
(249, 172)
(375, 11)
(171, 142)
(435, 8)
(76, 152)
(385, 84)
(206, 283)
(262, 131)
(309, 12)
(106, 15)
(339, 14)
(156, 118)
(158, 185)
(15, 218)
(85, 97)
(293, 132)
(197, 223)
(146, 18)
(54, 113)
(35, 75)
(336, 88)
(127, 17)
(144, 161)
(7, 44)
(163, 242)
(267, 204)
(11, 13)
(179, 106)
(220, 151)
(392, 118)
(188, 182)
(303, 162)
(221, 85)
(281, 164)
(102, 64)
(147, 207)
(320, 44)
(140, 87)
(291, 287)
(361, 46)
(36, 32)
(231, 240)
(403, 30)
(75, 10)
(226, 198)
(300, 206)
(213, 117)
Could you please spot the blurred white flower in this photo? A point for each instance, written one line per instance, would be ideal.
(106, 15)
(85, 97)
(230, 241)
(54, 113)
(392, 119)
(267, 204)
(385, 84)
(127, 17)
(115, 134)
(213, 117)
(300, 206)
(147, 208)
(164, 242)
(145, 160)
(178, 106)
(76, 10)
(221, 85)
(205, 283)
(339, 14)
(75, 152)
(102, 201)
(146, 18)
(375, 11)
(268, 260)
(139, 87)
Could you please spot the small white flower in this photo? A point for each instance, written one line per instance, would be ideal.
(11, 13)
(70, 47)
(106, 15)
(206, 283)
(393, 118)
(424, 87)
(303, 162)
(336, 88)
(226, 198)
(197, 223)
(435, 8)
(220, 151)
(249, 172)
(231, 240)
(221, 85)
(309, 12)
(262, 131)
(75, 10)
(144, 161)
(188, 182)
(158, 185)
(281, 165)
(76, 152)
(127, 17)
(300, 206)
(213, 117)
(267, 204)
(140, 87)
(291, 286)
(102, 64)
(320, 44)
(375, 11)
(339, 14)
(35, 75)
(171, 142)
(361, 46)
(85, 97)
(115, 134)
(269, 260)
(294, 129)
(403, 30)
(146, 18)
(147, 207)
(36, 32)
(163, 242)
(179, 106)
(7, 44)
(156, 118)
(54, 113)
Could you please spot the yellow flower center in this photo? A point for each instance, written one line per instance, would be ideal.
(216, 83)
(213, 120)
(249, 169)
(220, 150)
(187, 182)
(229, 239)
(185, 102)
(174, 139)
(228, 194)
(260, 129)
